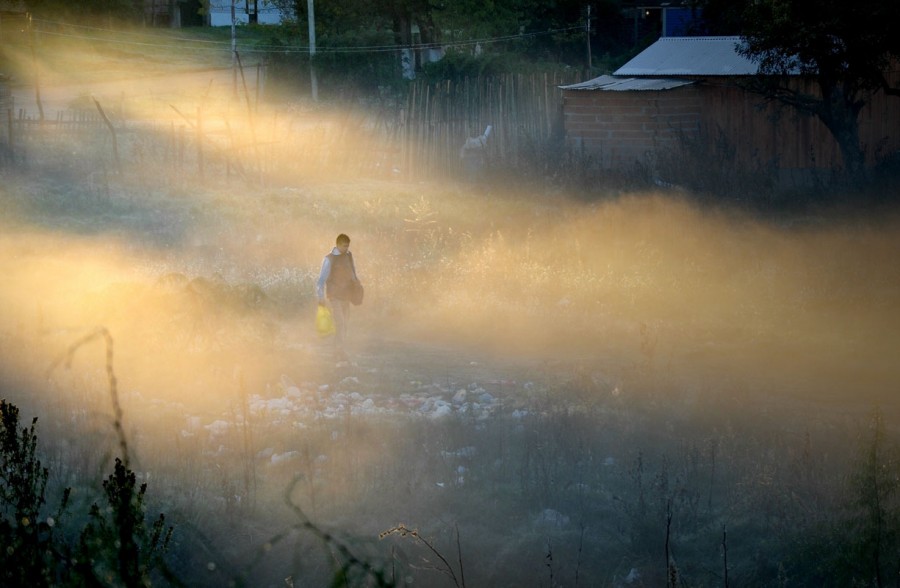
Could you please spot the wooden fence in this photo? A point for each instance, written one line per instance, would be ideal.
(22, 123)
(421, 137)
(523, 111)
(21, 129)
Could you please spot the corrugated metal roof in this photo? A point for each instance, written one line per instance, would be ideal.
(690, 56)
(624, 84)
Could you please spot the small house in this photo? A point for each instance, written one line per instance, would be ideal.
(683, 102)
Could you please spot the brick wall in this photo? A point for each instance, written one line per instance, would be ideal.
(619, 130)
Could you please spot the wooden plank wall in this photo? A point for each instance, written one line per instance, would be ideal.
(764, 134)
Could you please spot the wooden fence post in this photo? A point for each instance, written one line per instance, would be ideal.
(112, 132)
(34, 63)
(200, 142)
(250, 117)
(179, 152)
(9, 120)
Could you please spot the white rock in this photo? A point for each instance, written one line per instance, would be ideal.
(278, 458)
(441, 411)
(548, 516)
(280, 405)
(218, 427)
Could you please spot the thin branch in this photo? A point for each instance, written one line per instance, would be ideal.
(887, 88)
(112, 131)
(462, 575)
(110, 377)
(580, 551)
(331, 541)
(670, 576)
(725, 553)
(404, 531)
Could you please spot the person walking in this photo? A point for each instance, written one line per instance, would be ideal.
(335, 287)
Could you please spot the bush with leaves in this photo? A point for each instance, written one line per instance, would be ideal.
(116, 543)
(860, 545)
(114, 549)
(873, 541)
(27, 553)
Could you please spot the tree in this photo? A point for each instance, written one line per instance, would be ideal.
(443, 21)
(335, 19)
(84, 9)
(846, 47)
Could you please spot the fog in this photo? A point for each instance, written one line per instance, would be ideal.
(519, 350)
(715, 295)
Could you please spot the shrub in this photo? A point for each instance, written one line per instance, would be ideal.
(115, 548)
(27, 554)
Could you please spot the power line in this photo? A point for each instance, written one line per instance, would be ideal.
(113, 31)
(227, 10)
(123, 42)
(218, 45)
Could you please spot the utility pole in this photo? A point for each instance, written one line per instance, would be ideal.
(233, 51)
(34, 61)
(314, 84)
(587, 31)
(637, 12)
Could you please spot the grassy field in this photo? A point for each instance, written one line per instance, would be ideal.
(553, 389)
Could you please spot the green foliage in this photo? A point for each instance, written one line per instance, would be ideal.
(860, 545)
(27, 555)
(84, 9)
(874, 527)
(458, 65)
(511, 34)
(116, 543)
(116, 548)
(340, 73)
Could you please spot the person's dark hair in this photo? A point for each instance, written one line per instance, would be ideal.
(342, 238)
